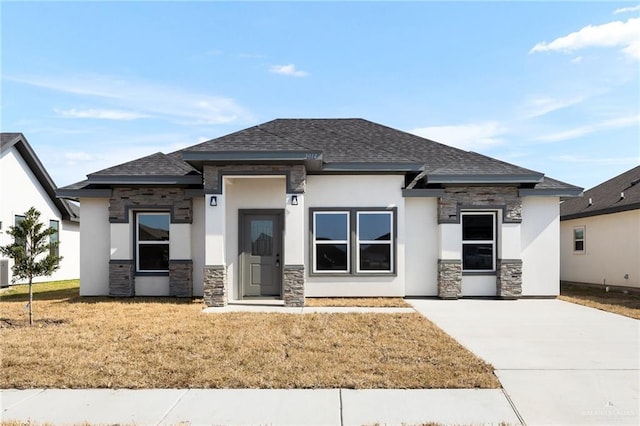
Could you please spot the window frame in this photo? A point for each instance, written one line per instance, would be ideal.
(583, 239)
(54, 251)
(353, 242)
(493, 241)
(138, 242)
(360, 242)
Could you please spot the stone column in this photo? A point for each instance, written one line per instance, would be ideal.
(215, 286)
(181, 278)
(509, 278)
(121, 278)
(293, 286)
(449, 279)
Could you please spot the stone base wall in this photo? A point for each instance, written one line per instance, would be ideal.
(449, 279)
(509, 278)
(121, 278)
(215, 286)
(181, 278)
(173, 199)
(293, 286)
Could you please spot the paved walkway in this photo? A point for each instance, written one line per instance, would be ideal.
(559, 363)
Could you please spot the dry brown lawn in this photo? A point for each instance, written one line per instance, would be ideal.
(612, 301)
(366, 302)
(170, 343)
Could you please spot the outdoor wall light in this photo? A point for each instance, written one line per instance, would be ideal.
(213, 201)
(294, 200)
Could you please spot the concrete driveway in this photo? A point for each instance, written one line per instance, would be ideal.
(559, 363)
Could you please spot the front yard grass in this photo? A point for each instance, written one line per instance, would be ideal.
(612, 301)
(80, 342)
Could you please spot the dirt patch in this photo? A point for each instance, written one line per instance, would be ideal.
(42, 322)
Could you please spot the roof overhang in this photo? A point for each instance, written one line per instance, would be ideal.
(474, 179)
(74, 194)
(364, 167)
(610, 210)
(145, 180)
(436, 192)
(551, 192)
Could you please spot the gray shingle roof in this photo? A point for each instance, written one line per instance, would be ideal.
(344, 144)
(606, 197)
(157, 164)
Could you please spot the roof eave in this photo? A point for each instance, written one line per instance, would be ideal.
(374, 167)
(145, 180)
(475, 179)
(551, 192)
(600, 212)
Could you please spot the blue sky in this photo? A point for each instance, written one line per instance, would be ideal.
(549, 86)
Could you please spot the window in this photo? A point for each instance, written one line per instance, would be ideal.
(152, 242)
(18, 219)
(54, 239)
(375, 241)
(331, 242)
(478, 241)
(578, 239)
(347, 237)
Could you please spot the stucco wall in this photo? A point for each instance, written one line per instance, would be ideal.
(612, 250)
(357, 191)
(95, 246)
(198, 245)
(421, 246)
(540, 240)
(19, 191)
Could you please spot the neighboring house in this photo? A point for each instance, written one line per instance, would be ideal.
(600, 234)
(319, 207)
(24, 183)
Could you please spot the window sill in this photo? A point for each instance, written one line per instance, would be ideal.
(152, 274)
(478, 273)
(353, 275)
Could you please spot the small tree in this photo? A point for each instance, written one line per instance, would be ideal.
(30, 242)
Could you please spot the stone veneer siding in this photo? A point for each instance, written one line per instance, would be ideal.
(509, 278)
(121, 278)
(173, 199)
(456, 198)
(181, 278)
(296, 175)
(449, 279)
(215, 286)
(293, 286)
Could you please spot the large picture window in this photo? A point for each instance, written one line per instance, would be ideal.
(152, 242)
(343, 238)
(478, 241)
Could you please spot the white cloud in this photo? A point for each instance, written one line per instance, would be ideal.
(78, 156)
(614, 123)
(104, 114)
(576, 60)
(613, 34)
(289, 69)
(172, 103)
(539, 105)
(465, 136)
(627, 9)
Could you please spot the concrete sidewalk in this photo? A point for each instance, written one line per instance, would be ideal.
(559, 363)
(258, 406)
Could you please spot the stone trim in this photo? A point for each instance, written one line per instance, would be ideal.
(509, 278)
(295, 175)
(457, 198)
(293, 286)
(449, 279)
(121, 278)
(174, 199)
(215, 285)
(181, 278)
